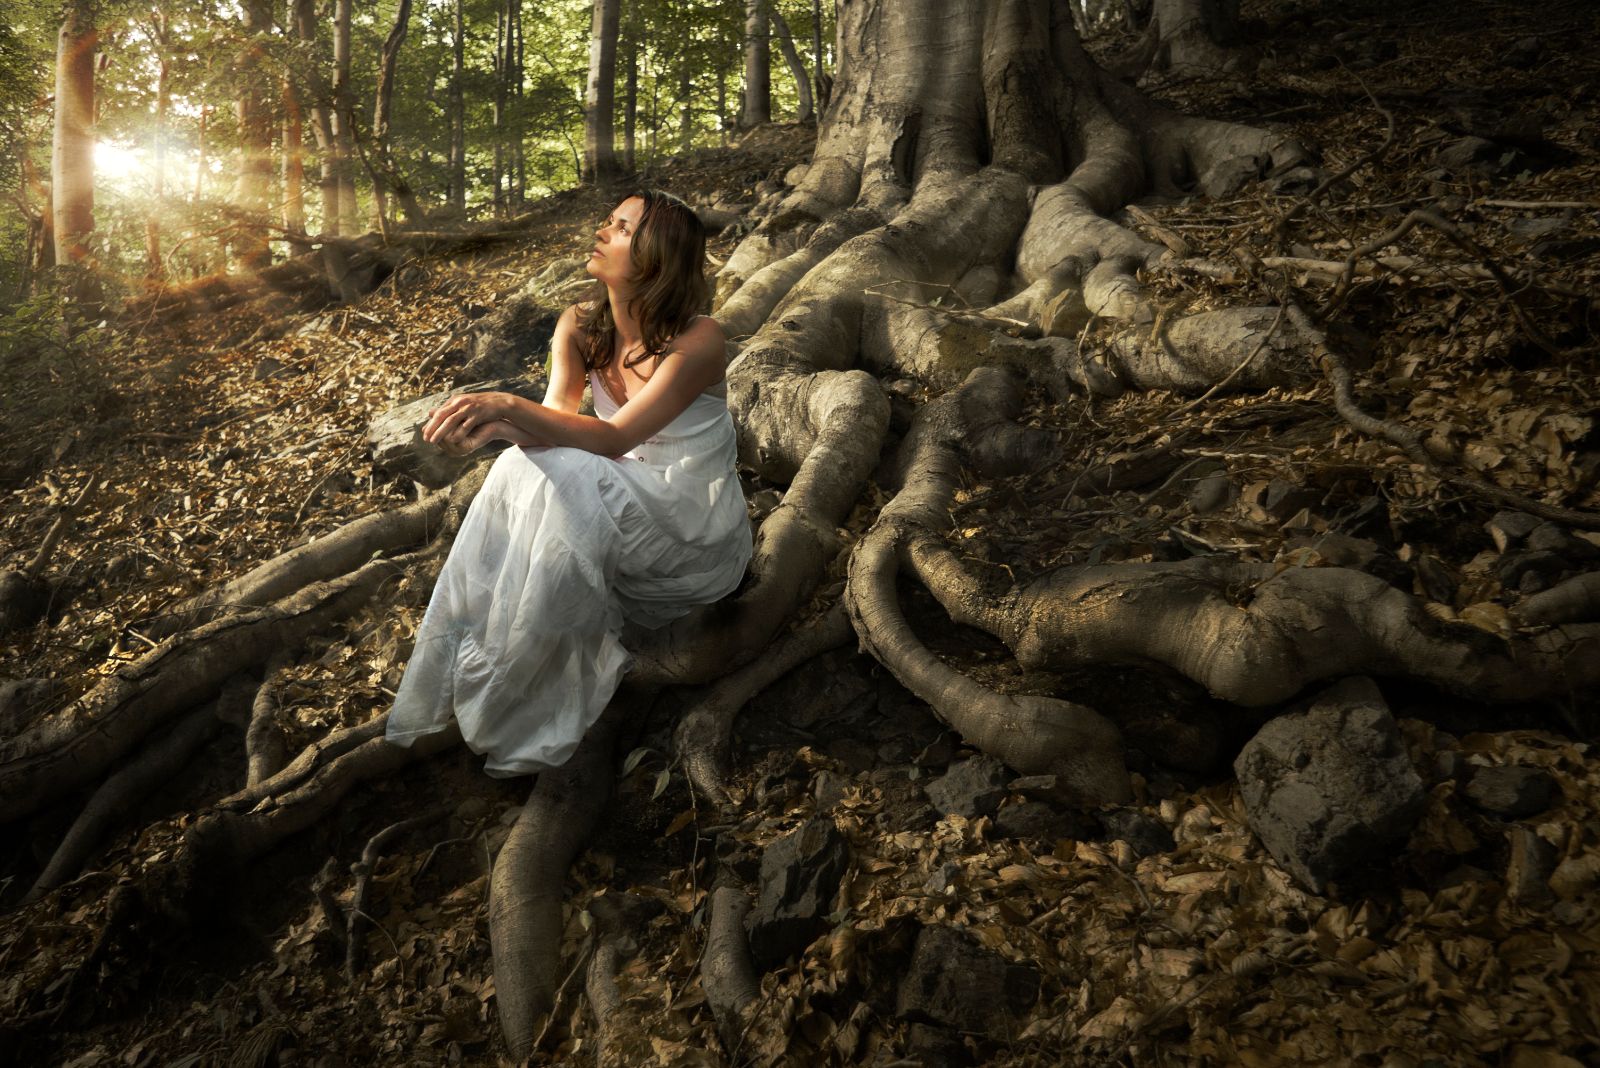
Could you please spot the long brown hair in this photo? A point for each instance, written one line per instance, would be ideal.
(668, 252)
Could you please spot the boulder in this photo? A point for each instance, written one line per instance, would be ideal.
(953, 981)
(1330, 787)
(973, 787)
(800, 875)
(396, 435)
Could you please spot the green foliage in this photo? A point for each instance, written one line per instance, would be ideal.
(49, 382)
(210, 59)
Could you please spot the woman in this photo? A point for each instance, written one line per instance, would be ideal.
(633, 514)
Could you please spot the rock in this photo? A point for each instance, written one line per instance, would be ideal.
(938, 753)
(1330, 787)
(1528, 870)
(943, 878)
(828, 787)
(971, 788)
(1146, 836)
(1035, 819)
(832, 688)
(1281, 499)
(1360, 554)
(1511, 791)
(936, 1047)
(853, 753)
(396, 435)
(1509, 529)
(955, 982)
(1555, 538)
(1295, 182)
(1438, 582)
(800, 875)
(1529, 570)
(1450, 764)
(1213, 491)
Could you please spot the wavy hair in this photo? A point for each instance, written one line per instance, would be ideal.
(668, 252)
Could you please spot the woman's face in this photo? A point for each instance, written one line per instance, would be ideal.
(612, 261)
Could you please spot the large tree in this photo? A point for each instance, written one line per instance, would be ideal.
(72, 152)
(968, 148)
(599, 97)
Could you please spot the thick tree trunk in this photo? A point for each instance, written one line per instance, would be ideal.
(72, 151)
(802, 82)
(599, 138)
(294, 172)
(757, 66)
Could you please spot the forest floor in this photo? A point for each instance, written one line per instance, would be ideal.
(203, 447)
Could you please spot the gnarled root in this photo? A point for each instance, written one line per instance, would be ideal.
(1032, 734)
(727, 972)
(527, 887)
(77, 744)
(703, 733)
(1252, 634)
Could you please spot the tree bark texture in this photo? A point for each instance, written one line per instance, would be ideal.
(599, 136)
(72, 149)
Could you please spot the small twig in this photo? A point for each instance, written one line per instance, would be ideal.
(555, 1006)
(1410, 443)
(363, 873)
(1310, 198)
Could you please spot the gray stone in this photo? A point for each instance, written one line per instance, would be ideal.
(1145, 835)
(1528, 868)
(943, 878)
(828, 787)
(1511, 791)
(800, 875)
(936, 1047)
(1330, 787)
(973, 787)
(955, 982)
(1509, 529)
(1035, 819)
(396, 435)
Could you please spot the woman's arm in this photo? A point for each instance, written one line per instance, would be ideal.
(567, 376)
(695, 363)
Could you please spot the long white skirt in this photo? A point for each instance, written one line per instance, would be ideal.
(561, 546)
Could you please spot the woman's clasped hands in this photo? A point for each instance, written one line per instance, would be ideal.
(468, 421)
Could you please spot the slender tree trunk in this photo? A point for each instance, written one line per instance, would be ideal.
(294, 170)
(305, 28)
(519, 119)
(253, 183)
(386, 176)
(757, 66)
(802, 82)
(155, 269)
(686, 98)
(599, 137)
(823, 81)
(458, 116)
(722, 91)
(630, 105)
(72, 150)
(343, 121)
(499, 107)
(200, 155)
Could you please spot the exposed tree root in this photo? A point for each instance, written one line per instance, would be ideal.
(1254, 635)
(600, 987)
(78, 743)
(527, 888)
(1576, 600)
(263, 740)
(354, 946)
(1032, 734)
(316, 561)
(704, 732)
(727, 971)
(121, 792)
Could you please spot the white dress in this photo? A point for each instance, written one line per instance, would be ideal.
(561, 546)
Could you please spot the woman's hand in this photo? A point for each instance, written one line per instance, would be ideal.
(459, 417)
(481, 435)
